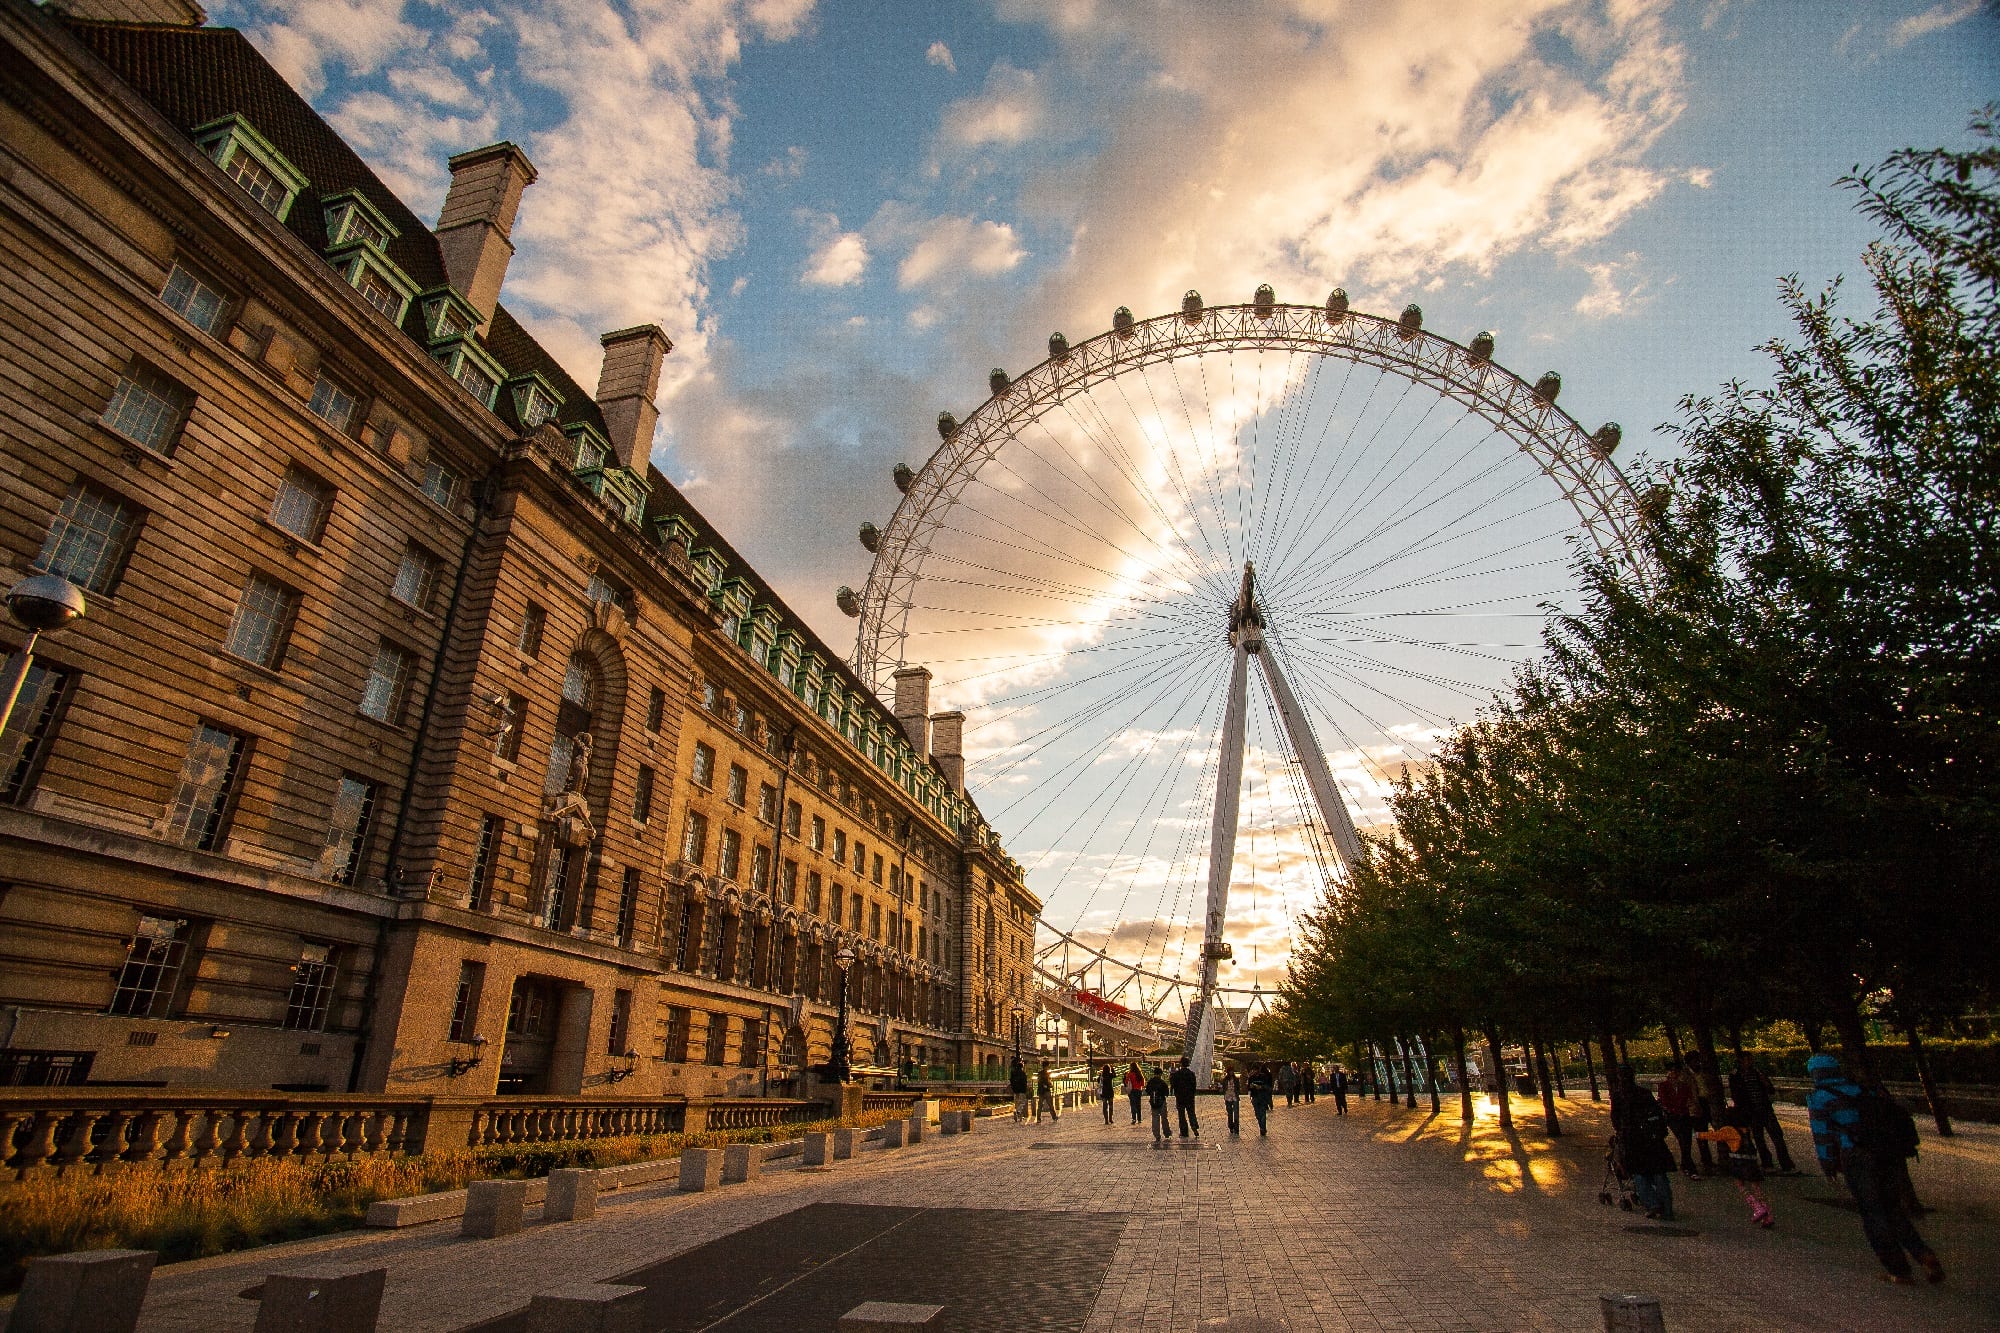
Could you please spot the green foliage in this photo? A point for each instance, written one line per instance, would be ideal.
(1753, 777)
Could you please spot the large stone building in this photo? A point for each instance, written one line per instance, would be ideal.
(420, 735)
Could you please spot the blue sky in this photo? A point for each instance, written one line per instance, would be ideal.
(844, 214)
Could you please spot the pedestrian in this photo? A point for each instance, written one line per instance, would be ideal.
(1288, 1083)
(1182, 1083)
(1308, 1076)
(1156, 1096)
(1232, 1092)
(1679, 1098)
(1738, 1146)
(1017, 1083)
(1259, 1087)
(1107, 1089)
(1045, 1094)
(1641, 1127)
(1752, 1091)
(1337, 1081)
(1864, 1137)
(1135, 1089)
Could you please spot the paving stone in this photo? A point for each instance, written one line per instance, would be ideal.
(888, 1317)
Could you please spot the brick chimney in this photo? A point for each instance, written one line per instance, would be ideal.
(626, 385)
(913, 708)
(477, 220)
(948, 747)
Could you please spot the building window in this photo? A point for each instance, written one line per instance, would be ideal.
(642, 794)
(875, 869)
(711, 696)
(302, 505)
(767, 803)
(752, 1053)
(718, 1038)
(379, 292)
(89, 538)
(416, 578)
(760, 867)
(621, 1023)
(860, 857)
(790, 877)
(694, 838)
(740, 719)
(465, 1004)
(730, 859)
(388, 682)
(485, 856)
(628, 905)
(854, 911)
(874, 921)
(819, 833)
(813, 884)
(513, 721)
(147, 408)
(703, 770)
(247, 158)
(442, 484)
(834, 904)
(589, 454)
(31, 728)
(577, 684)
(792, 817)
(350, 220)
(840, 846)
(675, 1049)
(347, 836)
(207, 780)
(194, 300)
(656, 708)
(152, 968)
(312, 989)
(534, 621)
(263, 618)
(739, 785)
(332, 403)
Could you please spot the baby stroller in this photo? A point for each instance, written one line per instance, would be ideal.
(1617, 1185)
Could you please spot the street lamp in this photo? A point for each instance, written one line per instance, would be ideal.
(1020, 1017)
(837, 1059)
(37, 603)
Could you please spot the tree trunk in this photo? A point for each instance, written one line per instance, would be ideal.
(1389, 1068)
(1709, 1076)
(1464, 1079)
(1556, 1065)
(1590, 1069)
(1604, 1040)
(1735, 1038)
(1854, 1044)
(1431, 1076)
(1502, 1094)
(1624, 1051)
(1674, 1042)
(1550, 1125)
(1924, 1074)
(1374, 1073)
(1409, 1075)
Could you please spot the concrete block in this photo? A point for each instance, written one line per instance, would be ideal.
(819, 1149)
(965, 1120)
(416, 1210)
(701, 1169)
(91, 1291)
(930, 1108)
(948, 1123)
(588, 1307)
(895, 1133)
(915, 1134)
(742, 1162)
(572, 1196)
(322, 1301)
(494, 1208)
(844, 1143)
(889, 1317)
(1631, 1314)
(634, 1174)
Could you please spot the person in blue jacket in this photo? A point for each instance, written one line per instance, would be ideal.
(1872, 1177)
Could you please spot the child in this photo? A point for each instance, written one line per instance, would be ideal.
(1738, 1146)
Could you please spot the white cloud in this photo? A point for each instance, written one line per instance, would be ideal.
(950, 248)
(939, 54)
(1614, 290)
(839, 262)
(1931, 20)
(1701, 177)
(1008, 110)
(788, 165)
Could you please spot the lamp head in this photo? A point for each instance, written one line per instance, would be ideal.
(45, 602)
(846, 956)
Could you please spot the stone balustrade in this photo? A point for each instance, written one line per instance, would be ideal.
(757, 1112)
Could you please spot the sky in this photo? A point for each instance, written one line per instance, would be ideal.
(844, 214)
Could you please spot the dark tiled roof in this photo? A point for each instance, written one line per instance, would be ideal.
(516, 349)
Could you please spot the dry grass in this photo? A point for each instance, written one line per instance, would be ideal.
(192, 1212)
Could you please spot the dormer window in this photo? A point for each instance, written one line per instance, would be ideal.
(447, 315)
(471, 365)
(249, 159)
(589, 455)
(352, 220)
(535, 400)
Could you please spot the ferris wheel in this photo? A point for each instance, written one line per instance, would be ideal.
(1204, 585)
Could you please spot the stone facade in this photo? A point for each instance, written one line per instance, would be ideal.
(421, 736)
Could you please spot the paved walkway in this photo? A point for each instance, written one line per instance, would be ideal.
(1389, 1219)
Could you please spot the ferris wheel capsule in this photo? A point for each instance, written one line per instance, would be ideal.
(947, 425)
(871, 537)
(1122, 322)
(1412, 321)
(1264, 302)
(1336, 305)
(1607, 438)
(997, 380)
(1482, 346)
(1548, 386)
(904, 477)
(1058, 347)
(1191, 306)
(845, 599)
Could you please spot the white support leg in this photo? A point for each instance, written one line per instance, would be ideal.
(1319, 778)
(1200, 1040)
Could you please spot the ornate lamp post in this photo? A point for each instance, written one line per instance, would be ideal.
(39, 602)
(1020, 1017)
(837, 1063)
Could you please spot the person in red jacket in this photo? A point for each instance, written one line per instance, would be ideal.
(1681, 1101)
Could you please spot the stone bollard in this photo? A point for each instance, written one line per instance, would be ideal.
(948, 1123)
(888, 1317)
(494, 1208)
(965, 1120)
(588, 1307)
(917, 1127)
(572, 1196)
(92, 1291)
(1631, 1314)
(818, 1149)
(742, 1162)
(894, 1132)
(843, 1143)
(701, 1169)
(329, 1301)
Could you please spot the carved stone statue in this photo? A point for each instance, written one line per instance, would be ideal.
(579, 764)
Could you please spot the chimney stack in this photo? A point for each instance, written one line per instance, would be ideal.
(948, 747)
(913, 708)
(626, 386)
(478, 217)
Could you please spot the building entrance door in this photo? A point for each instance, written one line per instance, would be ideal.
(531, 1031)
